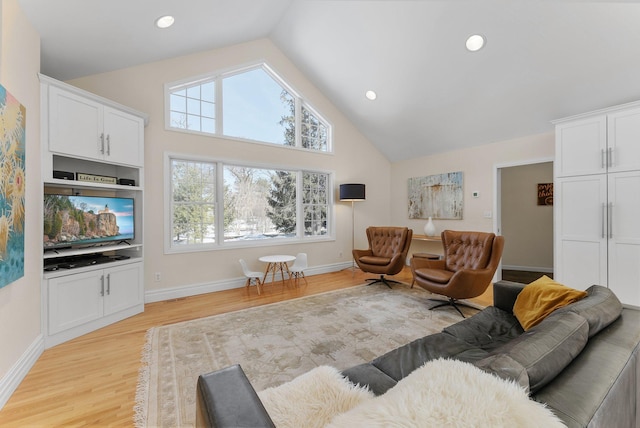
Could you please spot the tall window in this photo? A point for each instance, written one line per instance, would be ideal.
(193, 196)
(248, 204)
(254, 104)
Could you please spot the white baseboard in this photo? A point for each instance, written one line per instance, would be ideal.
(528, 268)
(188, 290)
(10, 382)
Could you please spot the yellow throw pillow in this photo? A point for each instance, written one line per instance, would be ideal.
(540, 298)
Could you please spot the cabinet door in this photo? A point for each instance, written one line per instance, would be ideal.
(124, 137)
(580, 220)
(624, 140)
(74, 300)
(124, 287)
(75, 125)
(581, 147)
(624, 236)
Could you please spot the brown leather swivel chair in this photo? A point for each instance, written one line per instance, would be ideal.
(470, 260)
(387, 253)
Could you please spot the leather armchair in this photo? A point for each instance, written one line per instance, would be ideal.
(387, 252)
(470, 261)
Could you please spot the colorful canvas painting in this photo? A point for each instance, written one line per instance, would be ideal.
(12, 187)
(437, 196)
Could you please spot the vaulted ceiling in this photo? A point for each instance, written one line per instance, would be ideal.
(542, 59)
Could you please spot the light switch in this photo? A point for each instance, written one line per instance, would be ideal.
(488, 214)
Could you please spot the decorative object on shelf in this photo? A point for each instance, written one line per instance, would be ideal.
(430, 228)
(126, 182)
(12, 187)
(103, 179)
(438, 196)
(64, 175)
(351, 193)
(545, 193)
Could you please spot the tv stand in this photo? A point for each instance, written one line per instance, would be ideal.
(86, 288)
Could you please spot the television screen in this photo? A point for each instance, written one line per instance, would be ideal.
(80, 221)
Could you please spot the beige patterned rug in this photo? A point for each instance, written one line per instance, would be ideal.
(277, 342)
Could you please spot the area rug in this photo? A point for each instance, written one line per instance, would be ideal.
(276, 343)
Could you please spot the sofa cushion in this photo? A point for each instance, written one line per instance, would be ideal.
(398, 363)
(488, 329)
(540, 298)
(601, 307)
(546, 349)
(505, 367)
(369, 375)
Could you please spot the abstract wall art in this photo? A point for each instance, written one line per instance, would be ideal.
(437, 196)
(12, 187)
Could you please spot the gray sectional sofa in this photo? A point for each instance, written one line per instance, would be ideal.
(582, 361)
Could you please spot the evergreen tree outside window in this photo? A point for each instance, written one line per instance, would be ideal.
(193, 202)
(249, 204)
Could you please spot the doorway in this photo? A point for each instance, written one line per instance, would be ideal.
(525, 222)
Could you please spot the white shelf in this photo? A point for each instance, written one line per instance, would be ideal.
(87, 184)
(67, 252)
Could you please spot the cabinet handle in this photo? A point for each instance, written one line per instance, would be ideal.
(102, 143)
(604, 217)
(610, 157)
(610, 220)
(102, 285)
(108, 284)
(108, 145)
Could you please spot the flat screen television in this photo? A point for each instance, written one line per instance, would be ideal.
(83, 221)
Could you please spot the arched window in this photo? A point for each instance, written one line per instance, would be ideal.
(251, 104)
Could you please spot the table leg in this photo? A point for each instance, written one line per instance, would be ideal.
(282, 270)
(266, 272)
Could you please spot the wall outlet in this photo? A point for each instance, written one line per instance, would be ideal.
(158, 277)
(340, 255)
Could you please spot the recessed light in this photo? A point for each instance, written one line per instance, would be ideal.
(371, 95)
(475, 42)
(165, 21)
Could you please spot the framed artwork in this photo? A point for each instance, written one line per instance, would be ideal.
(12, 187)
(545, 193)
(436, 196)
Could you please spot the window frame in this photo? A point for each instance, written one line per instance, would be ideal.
(220, 244)
(217, 77)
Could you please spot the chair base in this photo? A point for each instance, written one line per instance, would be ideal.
(383, 280)
(449, 302)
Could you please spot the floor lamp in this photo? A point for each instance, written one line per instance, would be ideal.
(352, 193)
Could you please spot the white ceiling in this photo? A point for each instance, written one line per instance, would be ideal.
(543, 59)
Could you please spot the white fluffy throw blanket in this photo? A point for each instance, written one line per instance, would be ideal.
(442, 393)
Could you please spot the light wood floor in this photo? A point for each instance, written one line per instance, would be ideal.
(91, 380)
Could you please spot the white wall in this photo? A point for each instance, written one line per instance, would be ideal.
(355, 160)
(478, 165)
(20, 340)
(526, 226)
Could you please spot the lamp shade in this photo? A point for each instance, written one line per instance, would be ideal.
(352, 192)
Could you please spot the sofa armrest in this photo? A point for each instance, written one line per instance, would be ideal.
(505, 294)
(225, 398)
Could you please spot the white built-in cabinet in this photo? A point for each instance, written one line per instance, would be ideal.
(85, 133)
(597, 201)
(85, 128)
